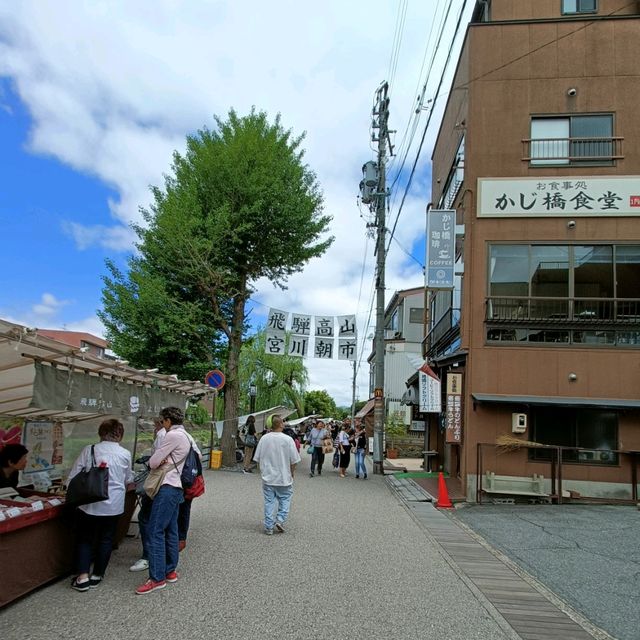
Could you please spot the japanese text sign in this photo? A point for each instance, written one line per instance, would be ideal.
(559, 196)
(441, 239)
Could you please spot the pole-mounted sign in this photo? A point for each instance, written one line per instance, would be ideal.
(215, 379)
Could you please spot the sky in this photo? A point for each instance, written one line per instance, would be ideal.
(95, 98)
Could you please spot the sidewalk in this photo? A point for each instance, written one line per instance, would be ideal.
(526, 606)
(355, 560)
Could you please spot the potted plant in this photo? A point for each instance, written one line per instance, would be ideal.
(394, 428)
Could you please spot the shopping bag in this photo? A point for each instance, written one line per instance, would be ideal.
(89, 485)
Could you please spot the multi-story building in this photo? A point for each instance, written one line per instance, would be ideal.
(79, 339)
(538, 154)
(403, 330)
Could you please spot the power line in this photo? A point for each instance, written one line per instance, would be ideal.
(424, 133)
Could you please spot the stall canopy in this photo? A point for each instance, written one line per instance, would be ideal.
(44, 378)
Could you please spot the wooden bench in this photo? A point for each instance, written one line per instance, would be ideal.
(514, 485)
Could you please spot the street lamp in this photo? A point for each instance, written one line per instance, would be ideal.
(253, 392)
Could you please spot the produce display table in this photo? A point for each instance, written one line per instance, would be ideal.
(37, 547)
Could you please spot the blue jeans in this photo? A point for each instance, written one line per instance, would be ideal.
(162, 532)
(281, 495)
(361, 469)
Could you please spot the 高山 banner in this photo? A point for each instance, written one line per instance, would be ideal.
(301, 335)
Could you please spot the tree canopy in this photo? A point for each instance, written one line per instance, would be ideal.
(239, 205)
(279, 380)
(320, 403)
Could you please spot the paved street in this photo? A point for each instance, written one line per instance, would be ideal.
(589, 555)
(361, 557)
(353, 563)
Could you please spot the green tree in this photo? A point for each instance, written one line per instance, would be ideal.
(238, 206)
(278, 379)
(321, 403)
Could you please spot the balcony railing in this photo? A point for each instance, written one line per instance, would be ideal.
(562, 151)
(442, 333)
(594, 311)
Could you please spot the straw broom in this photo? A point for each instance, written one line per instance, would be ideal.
(508, 443)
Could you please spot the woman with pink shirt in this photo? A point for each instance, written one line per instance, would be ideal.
(162, 527)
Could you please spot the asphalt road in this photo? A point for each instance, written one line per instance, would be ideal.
(589, 555)
(353, 563)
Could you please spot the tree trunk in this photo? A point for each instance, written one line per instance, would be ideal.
(232, 385)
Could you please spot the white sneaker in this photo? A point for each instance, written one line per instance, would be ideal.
(139, 565)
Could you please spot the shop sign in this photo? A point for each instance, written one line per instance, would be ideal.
(559, 196)
(453, 413)
(441, 244)
(429, 390)
(66, 390)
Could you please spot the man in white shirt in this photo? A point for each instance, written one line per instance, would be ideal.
(277, 456)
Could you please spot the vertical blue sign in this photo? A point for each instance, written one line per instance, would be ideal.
(441, 248)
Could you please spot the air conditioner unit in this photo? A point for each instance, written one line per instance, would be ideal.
(518, 422)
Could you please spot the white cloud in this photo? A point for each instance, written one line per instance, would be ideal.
(48, 306)
(114, 87)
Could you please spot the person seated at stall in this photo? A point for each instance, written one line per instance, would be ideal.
(13, 459)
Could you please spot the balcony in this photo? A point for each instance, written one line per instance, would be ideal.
(442, 334)
(572, 151)
(597, 312)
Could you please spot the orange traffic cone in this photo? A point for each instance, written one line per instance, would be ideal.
(443, 495)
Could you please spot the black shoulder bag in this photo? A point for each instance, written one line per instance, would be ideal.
(90, 485)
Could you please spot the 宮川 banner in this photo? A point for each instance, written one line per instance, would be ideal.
(301, 335)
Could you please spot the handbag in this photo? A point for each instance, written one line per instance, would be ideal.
(155, 480)
(310, 449)
(196, 489)
(89, 485)
(327, 445)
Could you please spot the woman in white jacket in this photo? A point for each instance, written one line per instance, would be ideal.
(97, 522)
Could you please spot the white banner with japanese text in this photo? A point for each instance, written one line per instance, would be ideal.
(323, 337)
(559, 196)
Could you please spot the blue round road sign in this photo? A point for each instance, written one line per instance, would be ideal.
(215, 379)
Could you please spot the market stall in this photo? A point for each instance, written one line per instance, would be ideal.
(52, 399)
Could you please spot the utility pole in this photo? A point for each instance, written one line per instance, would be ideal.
(353, 394)
(374, 193)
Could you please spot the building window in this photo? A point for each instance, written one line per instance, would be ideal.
(591, 434)
(579, 6)
(572, 294)
(583, 139)
(416, 315)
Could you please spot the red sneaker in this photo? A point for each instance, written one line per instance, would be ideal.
(172, 576)
(150, 585)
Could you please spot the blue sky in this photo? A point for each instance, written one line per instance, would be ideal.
(95, 97)
(38, 197)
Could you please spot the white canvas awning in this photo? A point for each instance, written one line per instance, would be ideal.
(23, 351)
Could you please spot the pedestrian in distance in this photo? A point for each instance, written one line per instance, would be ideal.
(360, 438)
(96, 523)
(250, 443)
(162, 528)
(277, 456)
(315, 439)
(344, 448)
